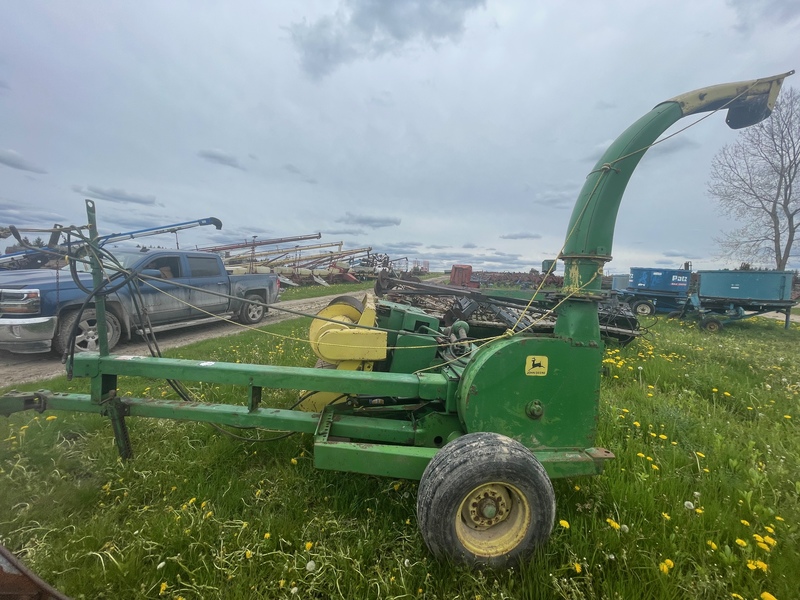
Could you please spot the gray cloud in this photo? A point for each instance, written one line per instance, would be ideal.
(368, 29)
(469, 245)
(367, 221)
(344, 232)
(12, 213)
(750, 12)
(673, 146)
(437, 247)
(13, 159)
(220, 158)
(4, 85)
(603, 105)
(114, 195)
(521, 236)
(292, 169)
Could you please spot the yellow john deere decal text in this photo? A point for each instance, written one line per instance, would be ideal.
(536, 366)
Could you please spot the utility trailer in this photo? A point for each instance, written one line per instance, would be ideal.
(484, 428)
(725, 296)
(651, 290)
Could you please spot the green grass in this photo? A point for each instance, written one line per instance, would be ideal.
(692, 418)
(314, 291)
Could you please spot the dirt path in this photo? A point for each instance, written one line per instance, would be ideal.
(16, 369)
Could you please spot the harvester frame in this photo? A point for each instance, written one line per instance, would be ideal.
(484, 428)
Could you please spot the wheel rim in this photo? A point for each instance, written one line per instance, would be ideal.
(254, 311)
(88, 338)
(712, 326)
(493, 519)
(643, 309)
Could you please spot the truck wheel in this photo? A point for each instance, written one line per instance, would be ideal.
(711, 324)
(675, 314)
(87, 338)
(252, 313)
(643, 308)
(486, 501)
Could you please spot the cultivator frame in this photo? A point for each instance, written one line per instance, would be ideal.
(478, 426)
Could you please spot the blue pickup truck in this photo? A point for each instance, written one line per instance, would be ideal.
(39, 307)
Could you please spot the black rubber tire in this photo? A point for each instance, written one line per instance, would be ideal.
(643, 308)
(349, 301)
(251, 314)
(476, 469)
(87, 339)
(711, 325)
(675, 314)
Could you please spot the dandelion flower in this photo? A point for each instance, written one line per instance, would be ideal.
(248, 554)
(688, 505)
(669, 563)
(711, 544)
(770, 540)
(700, 454)
(51, 418)
(640, 455)
(311, 566)
(745, 523)
(767, 596)
(666, 516)
(613, 524)
(624, 528)
(699, 511)
(309, 545)
(764, 547)
(267, 535)
(577, 567)
(654, 467)
(663, 568)
(163, 589)
(564, 524)
(715, 390)
(727, 394)
(741, 542)
(294, 461)
(662, 436)
(637, 424)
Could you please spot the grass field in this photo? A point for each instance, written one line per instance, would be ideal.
(703, 500)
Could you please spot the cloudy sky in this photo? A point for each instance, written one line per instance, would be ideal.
(453, 131)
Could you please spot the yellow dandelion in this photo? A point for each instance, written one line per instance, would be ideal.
(654, 467)
(700, 454)
(577, 488)
(248, 554)
(666, 516)
(309, 545)
(767, 596)
(163, 588)
(51, 418)
(769, 529)
(294, 461)
(769, 540)
(267, 535)
(715, 390)
(777, 518)
(711, 544)
(637, 424)
(669, 563)
(741, 542)
(564, 524)
(736, 596)
(663, 568)
(640, 455)
(577, 567)
(613, 524)
(784, 416)
(662, 436)
(764, 547)
(699, 511)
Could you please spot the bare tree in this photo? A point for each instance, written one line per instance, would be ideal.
(753, 180)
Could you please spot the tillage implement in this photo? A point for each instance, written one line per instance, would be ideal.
(483, 425)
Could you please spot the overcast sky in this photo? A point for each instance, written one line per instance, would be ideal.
(453, 131)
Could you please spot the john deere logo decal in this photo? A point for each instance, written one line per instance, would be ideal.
(536, 366)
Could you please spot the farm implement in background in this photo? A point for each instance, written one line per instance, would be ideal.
(484, 425)
(34, 257)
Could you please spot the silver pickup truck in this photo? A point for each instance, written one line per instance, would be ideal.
(39, 307)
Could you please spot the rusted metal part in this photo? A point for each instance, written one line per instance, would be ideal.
(17, 582)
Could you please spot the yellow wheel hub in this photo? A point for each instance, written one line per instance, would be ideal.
(493, 519)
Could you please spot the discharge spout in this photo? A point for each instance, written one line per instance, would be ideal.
(591, 228)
